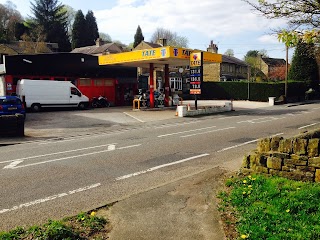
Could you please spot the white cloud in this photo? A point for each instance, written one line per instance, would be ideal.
(212, 19)
(268, 39)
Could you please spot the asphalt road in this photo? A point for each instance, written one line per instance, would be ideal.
(51, 178)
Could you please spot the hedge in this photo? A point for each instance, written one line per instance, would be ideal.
(258, 91)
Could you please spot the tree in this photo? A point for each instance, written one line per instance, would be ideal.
(138, 37)
(300, 14)
(253, 59)
(71, 13)
(173, 39)
(9, 17)
(229, 52)
(78, 31)
(49, 15)
(105, 37)
(304, 66)
(91, 29)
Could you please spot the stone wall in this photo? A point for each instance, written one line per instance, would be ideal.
(296, 158)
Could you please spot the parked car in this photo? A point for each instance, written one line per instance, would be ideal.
(10, 105)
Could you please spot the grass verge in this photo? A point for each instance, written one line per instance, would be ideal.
(83, 226)
(262, 207)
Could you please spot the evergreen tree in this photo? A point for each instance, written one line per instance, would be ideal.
(78, 31)
(92, 29)
(304, 65)
(138, 37)
(49, 15)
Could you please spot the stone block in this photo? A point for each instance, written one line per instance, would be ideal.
(294, 175)
(274, 144)
(306, 168)
(294, 162)
(246, 162)
(314, 162)
(313, 147)
(261, 160)
(274, 163)
(317, 176)
(274, 172)
(280, 155)
(285, 146)
(300, 146)
(264, 145)
(288, 168)
(298, 157)
(261, 169)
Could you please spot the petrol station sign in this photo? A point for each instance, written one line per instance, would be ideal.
(196, 72)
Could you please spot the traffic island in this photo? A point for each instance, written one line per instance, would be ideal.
(186, 111)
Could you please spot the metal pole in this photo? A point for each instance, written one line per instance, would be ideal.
(286, 80)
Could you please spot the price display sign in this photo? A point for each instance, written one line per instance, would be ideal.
(196, 72)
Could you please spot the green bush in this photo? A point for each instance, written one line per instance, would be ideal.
(258, 91)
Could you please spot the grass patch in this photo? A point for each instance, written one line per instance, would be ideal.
(262, 207)
(83, 226)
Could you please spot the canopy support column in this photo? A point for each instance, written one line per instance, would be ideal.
(166, 85)
(151, 86)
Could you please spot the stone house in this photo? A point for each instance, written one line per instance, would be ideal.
(273, 68)
(231, 68)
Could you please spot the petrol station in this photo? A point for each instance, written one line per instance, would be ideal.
(162, 58)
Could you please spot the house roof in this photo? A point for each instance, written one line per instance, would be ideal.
(230, 59)
(97, 49)
(274, 61)
(148, 44)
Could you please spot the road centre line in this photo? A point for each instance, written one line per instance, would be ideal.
(50, 198)
(308, 125)
(216, 130)
(251, 120)
(222, 118)
(71, 157)
(160, 166)
(193, 130)
(57, 153)
(245, 143)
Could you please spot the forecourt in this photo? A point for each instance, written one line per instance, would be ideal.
(158, 58)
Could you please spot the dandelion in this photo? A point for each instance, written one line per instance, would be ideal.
(243, 236)
(288, 210)
(249, 176)
(93, 214)
(244, 181)
(82, 219)
(250, 186)
(244, 193)
(249, 192)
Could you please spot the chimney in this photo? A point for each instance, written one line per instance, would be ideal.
(212, 48)
(99, 42)
(162, 42)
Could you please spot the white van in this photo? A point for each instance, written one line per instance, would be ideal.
(49, 93)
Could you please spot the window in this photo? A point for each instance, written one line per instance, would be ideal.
(74, 91)
(84, 82)
(176, 83)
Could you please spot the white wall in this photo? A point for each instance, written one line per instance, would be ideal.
(2, 86)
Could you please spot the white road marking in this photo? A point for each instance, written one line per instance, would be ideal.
(133, 117)
(252, 120)
(216, 130)
(230, 117)
(316, 108)
(160, 166)
(50, 198)
(13, 164)
(245, 143)
(57, 153)
(308, 125)
(193, 130)
(176, 124)
(71, 157)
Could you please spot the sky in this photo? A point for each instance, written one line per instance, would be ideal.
(231, 24)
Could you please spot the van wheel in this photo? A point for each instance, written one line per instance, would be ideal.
(82, 106)
(35, 107)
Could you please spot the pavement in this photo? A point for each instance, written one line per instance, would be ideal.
(185, 209)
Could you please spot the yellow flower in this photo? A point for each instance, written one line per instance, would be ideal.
(249, 192)
(244, 181)
(250, 186)
(249, 176)
(93, 214)
(82, 219)
(243, 236)
(253, 179)
(288, 210)
(243, 193)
